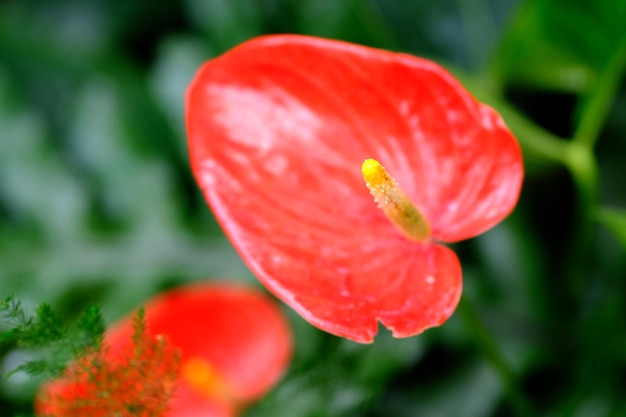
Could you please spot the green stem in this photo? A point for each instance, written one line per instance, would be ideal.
(614, 220)
(581, 161)
(532, 138)
(492, 354)
(597, 105)
(584, 170)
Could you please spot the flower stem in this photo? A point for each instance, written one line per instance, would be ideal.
(533, 139)
(598, 104)
(582, 165)
(614, 220)
(492, 354)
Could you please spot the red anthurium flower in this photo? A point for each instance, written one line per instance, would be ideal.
(233, 343)
(279, 129)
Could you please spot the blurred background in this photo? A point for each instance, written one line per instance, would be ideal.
(97, 202)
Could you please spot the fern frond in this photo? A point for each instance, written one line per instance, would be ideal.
(57, 342)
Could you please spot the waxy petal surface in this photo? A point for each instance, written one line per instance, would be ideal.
(278, 128)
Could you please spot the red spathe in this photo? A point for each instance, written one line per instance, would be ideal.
(236, 332)
(278, 129)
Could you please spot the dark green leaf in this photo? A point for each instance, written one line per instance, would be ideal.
(562, 44)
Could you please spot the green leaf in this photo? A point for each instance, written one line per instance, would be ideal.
(473, 390)
(341, 382)
(178, 58)
(562, 44)
(226, 22)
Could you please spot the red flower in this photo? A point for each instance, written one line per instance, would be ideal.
(278, 130)
(234, 344)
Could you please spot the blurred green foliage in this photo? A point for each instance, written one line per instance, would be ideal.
(58, 343)
(97, 203)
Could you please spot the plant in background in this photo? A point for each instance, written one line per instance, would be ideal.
(234, 345)
(140, 383)
(96, 204)
(87, 382)
(45, 332)
(278, 131)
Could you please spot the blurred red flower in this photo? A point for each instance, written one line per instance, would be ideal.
(278, 129)
(233, 344)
